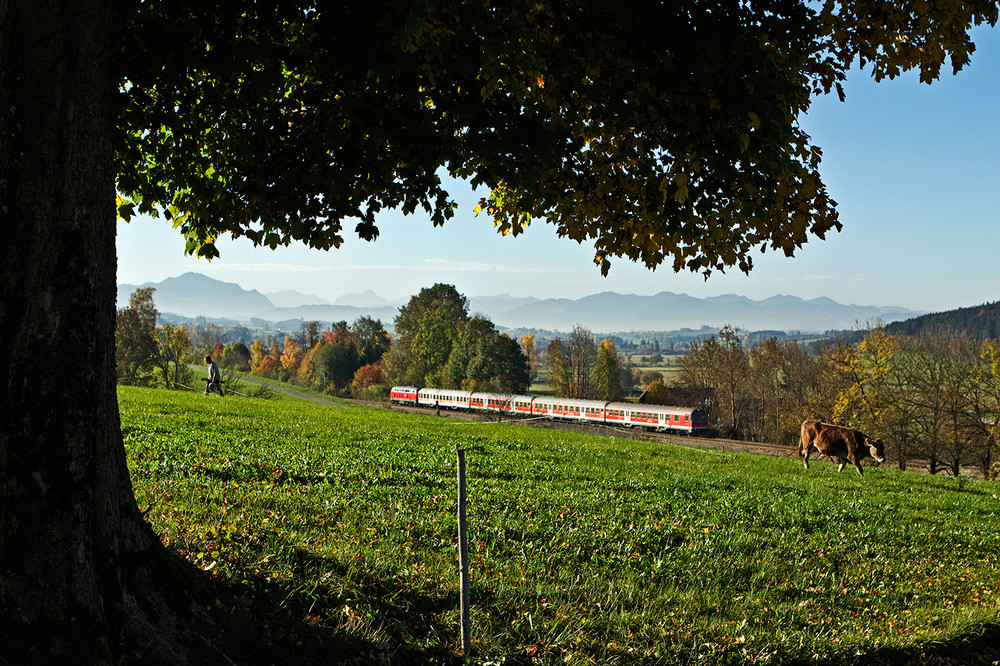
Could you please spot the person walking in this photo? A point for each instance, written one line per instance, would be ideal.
(214, 377)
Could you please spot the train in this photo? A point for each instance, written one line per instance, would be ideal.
(686, 420)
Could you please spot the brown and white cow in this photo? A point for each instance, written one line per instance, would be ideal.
(847, 444)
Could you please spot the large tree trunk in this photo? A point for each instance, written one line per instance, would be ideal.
(81, 573)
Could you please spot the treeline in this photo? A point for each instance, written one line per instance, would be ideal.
(580, 367)
(981, 321)
(438, 343)
(934, 398)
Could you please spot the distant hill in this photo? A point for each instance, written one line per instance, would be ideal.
(194, 295)
(611, 311)
(498, 306)
(982, 321)
(292, 299)
(365, 299)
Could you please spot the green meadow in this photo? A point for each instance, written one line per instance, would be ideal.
(336, 527)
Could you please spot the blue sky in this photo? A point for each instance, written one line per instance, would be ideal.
(915, 170)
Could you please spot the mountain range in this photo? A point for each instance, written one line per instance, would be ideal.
(196, 295)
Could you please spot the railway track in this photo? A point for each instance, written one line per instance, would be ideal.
(710, 443)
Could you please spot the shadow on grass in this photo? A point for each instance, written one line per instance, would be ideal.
(982, 647)
(331, 612)
(326, 613)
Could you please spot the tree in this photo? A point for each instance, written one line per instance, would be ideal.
(236, 356)
(882, 388)
(642, 135)
(498, 366)
(607, 372)
(426, 328)
(291, 355)
(334, 364)
(657, 394)
(268, 357)
(467, 338)
(530, 348)
(665, 132)
(719, 367)
(306, 375)
(135, 337)
(174, 347)
(310, 333)
(371, 339)
(581, 354)
(368, 376)
(257, 354)
(647, 377)
(627, 374)
(988, 376)
(560, 374)
(338, 333)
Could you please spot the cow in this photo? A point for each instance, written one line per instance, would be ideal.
(847, 444)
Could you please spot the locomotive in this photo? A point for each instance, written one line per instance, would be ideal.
(688, 420)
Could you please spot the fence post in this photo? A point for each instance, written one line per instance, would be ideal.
(463, 557)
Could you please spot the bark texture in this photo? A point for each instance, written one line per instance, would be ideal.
(81, 574)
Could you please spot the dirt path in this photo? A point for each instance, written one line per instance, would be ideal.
(280, 389)
(293, 392)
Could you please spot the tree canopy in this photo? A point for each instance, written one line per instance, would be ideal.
(661, 132)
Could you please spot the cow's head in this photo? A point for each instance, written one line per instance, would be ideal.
(876, 449)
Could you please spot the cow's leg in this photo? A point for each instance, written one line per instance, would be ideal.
(843, 464)
(857, 465)
(804, 452)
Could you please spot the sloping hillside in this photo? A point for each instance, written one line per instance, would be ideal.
(334, 524)
(981, 320)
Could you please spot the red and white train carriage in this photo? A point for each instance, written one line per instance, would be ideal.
(690, 420)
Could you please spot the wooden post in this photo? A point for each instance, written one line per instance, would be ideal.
(463, 557)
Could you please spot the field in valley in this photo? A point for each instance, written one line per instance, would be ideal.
(337, 527)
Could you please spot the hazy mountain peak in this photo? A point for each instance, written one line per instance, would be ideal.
(367, 298)
(290, 298)
(194, 295)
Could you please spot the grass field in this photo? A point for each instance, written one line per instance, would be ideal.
(338, 526)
